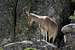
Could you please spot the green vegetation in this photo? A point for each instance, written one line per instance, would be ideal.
(72, 17)
(1, 48)
(30, 49)
(73, 0)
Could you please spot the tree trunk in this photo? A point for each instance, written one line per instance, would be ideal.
(7, 23)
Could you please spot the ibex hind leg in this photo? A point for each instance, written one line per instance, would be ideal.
(54, 37)
(50, 39)
(53, 40)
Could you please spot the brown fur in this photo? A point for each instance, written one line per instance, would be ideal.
(47, 25)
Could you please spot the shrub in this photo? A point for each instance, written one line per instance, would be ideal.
(30, 49)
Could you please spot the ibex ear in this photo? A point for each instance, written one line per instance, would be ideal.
(53, 18)
(27, 13)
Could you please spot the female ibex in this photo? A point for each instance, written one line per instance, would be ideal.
(47, 24)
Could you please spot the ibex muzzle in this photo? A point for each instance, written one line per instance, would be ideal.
(47, 24)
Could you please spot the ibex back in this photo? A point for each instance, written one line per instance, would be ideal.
(47, 24)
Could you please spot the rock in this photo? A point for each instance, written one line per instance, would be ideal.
(39, 45)
(69, 31)
(68, 28)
